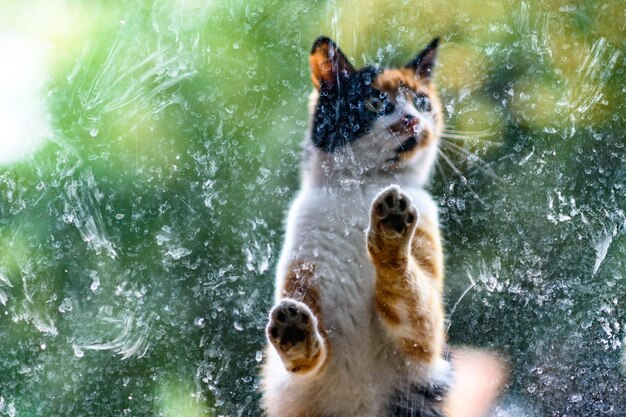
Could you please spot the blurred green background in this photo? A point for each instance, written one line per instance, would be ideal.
(138, 237)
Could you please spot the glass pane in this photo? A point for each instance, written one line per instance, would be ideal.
(149, 150)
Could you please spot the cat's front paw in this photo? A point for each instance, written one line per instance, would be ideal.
(393, 215)
(292, 330)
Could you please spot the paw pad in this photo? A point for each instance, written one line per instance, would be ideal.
(290, 324)
(393, 213)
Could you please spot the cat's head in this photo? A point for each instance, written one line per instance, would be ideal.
(373, 119)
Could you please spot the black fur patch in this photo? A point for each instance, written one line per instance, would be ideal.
(418, 401)
(341, 115)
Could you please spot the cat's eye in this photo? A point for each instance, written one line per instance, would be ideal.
(422, 103)
(377, 103)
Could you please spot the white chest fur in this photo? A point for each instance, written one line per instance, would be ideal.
(326, 226)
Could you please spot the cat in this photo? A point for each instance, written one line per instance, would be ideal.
(357, 328)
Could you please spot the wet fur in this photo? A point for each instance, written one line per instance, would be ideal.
(357, 326)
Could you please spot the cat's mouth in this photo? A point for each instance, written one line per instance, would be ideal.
(408, 133)
(407, 148)
(409, 144)
(404, 151)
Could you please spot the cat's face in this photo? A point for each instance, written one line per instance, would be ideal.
(380, 119)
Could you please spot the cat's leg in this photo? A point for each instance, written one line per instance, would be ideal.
(295, 329)
(407, 296)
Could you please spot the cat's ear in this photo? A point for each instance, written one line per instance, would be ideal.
(328, 63)
(424, 62)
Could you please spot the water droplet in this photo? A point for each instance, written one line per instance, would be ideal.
(576, 398)
(93, 132)
(177, 253)
(66, 305)
(78, 351)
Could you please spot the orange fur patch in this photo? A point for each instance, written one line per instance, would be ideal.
(303, 365)
(406, 293)
(301, 284)
(418, 307)
(426, 249)
(387, 312)
(326, 62)
(320, 66)
(390, 80)
(416, 350)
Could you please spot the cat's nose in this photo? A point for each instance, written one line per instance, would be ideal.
(409, 120)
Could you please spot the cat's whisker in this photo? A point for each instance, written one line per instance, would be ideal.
(466, 155)
(465, 151)
(442, 173)
(447, 142)
(451, 165)
(468, 135)
(460, 174)
(451, 128)
(484, 132)
(463, 139)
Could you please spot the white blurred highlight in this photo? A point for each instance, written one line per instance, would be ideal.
(24, 119)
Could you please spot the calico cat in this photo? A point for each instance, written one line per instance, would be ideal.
(357, 329)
